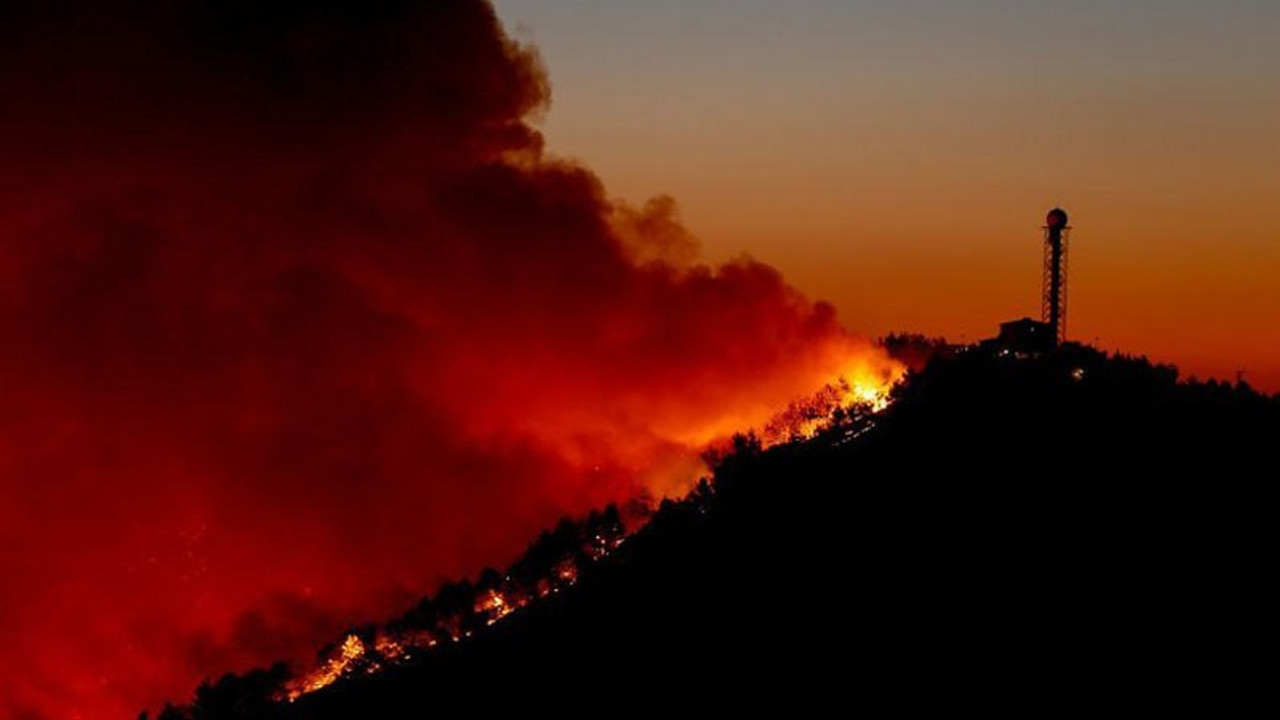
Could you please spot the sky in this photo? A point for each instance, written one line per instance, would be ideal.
(896, 157)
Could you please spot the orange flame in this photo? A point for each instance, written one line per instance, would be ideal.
(861, 387)
(351, 650)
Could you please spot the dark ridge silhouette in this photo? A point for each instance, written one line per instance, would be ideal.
(1013, 534)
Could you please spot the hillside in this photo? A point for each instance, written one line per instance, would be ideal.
(1066, 531)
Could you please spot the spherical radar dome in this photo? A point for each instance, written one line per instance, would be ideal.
(1057, 218)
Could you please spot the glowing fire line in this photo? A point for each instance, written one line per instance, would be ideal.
(803, 419)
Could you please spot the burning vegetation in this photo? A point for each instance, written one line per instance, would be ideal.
(306, 320)
(459, 610)
(553, 562)
(833, 403)
(954, 578)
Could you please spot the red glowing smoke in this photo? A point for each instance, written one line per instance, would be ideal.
(296, 320)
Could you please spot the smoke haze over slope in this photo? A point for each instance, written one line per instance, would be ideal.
(297, 320)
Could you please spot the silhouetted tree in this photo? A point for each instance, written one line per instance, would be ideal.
(1010, 517)
(240, 697)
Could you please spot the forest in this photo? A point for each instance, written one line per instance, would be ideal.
(1067, 531)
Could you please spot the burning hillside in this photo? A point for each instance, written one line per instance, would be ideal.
(459, 610)
(553, 563)
(950, 552)
(299, 321)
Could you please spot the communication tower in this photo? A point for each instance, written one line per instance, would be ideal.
(1053, 304)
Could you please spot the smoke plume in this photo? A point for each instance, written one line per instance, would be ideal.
(297, 320)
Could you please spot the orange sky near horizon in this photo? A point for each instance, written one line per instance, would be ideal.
(897, 158)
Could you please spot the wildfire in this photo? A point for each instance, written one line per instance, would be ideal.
(390, 649)
(860, 390)
(857, 394)
(351, 650)
(491, 605)
(567, 572)
(355, 656)
(496, 605)
(862, 384)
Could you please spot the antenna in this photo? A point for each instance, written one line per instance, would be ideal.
(1053, 303)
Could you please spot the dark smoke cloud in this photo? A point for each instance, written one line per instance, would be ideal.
(296, 320)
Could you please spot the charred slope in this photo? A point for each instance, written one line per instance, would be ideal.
(1025, 533)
